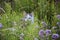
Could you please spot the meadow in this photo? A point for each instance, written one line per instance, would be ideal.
(29, 20)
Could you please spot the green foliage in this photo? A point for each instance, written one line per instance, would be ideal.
(7, 7)
(43, 11)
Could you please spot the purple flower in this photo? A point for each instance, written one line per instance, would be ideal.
(57, 0)
(58, 16)
(55, 36)
(41, 33)
(1, 25)
(48, 32)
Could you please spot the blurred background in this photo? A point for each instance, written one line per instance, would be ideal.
(24, 19)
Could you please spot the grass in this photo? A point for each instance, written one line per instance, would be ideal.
(12, 32)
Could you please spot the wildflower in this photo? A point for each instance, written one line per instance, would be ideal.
(15, 23)
(57, 0)
(1, 25)
(36, 26)
(48, 32)
(21, 35)
(35, 38)
(54, 27)
(21, 38)
(41, 33)
(58, 16)
(12, 29)
(55, 36)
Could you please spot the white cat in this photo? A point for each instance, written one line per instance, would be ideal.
(29, 17)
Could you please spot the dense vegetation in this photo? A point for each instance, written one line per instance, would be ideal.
(46, 16)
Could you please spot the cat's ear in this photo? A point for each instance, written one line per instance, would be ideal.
(32, 13)
(24, 13)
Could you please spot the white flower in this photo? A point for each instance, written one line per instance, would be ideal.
(35, 38)
(54, 27)
(21, 38)
(21, 35)
(14, 23)
(36, 26)
(44, 24)
(12, 29)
